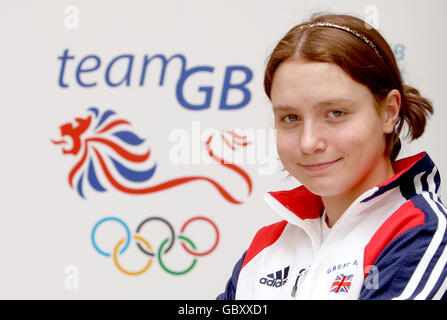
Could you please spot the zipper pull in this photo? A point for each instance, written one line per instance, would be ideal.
(295, 287)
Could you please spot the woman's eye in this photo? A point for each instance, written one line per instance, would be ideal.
(290, 118)
(335, 113)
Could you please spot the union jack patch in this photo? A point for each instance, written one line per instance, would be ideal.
(342, 283)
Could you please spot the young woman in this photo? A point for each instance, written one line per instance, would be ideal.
(362, 225)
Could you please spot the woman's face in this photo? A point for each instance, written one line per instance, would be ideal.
(329, 135)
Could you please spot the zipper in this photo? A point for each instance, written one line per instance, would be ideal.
(298, 277)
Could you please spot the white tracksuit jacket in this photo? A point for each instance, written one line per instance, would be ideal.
(389, 244)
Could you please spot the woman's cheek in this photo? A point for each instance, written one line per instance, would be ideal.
(351, 138)
(286, 146)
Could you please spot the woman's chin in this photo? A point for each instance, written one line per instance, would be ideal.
(324, 188)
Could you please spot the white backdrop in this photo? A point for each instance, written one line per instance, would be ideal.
(47, 225)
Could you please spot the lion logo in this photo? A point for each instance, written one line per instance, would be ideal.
(110, 155)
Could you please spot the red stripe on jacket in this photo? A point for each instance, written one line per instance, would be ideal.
(264, 238)
(405, 218)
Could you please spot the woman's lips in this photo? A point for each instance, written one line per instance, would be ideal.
(319, 166)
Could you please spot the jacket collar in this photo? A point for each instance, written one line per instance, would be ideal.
(411, 176)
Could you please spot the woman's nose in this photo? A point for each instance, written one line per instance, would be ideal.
(312, 138)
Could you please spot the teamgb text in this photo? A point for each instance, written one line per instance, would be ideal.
(85, 72)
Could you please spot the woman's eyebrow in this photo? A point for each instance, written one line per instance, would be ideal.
(282, 108)
(327, 102)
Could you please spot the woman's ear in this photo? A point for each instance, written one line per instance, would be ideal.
(390, 110)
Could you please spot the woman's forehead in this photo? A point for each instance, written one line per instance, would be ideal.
(314, 84)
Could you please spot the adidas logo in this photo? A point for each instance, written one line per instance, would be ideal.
(277, 279)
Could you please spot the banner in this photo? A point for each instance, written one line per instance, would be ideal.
(137, 141)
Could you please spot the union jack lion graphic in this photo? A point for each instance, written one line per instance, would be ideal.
(110, 154)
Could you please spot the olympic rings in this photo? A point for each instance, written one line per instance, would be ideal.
(145, 247)
(215, 243)
(130, 273)
(104, 220)
(176, 272)
(171, 229)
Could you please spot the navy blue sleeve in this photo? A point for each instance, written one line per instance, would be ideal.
(230, 289)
